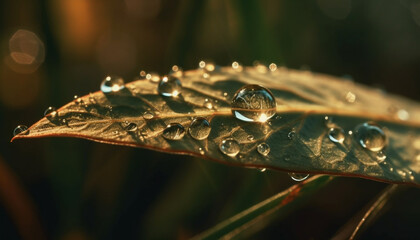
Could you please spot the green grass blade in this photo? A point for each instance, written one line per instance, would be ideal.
(275, 204)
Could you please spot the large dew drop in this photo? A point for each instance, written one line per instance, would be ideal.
(230, 147)
(174, 131)
(20, 129)
(169, 86)
(298, 177)
(199, 128)
(336, 134)
(370, 136)
(253, 103)
(112, 84)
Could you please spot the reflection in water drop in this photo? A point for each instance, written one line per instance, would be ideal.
(131, 127)
(174, 131)
(201, 151)
(272, 67)
(298, 177)
(263, 149)
(176, 71)
(49, 110)
(237, 66)
(336, 134)
(253, 103)
(370, 136)
(199, 128)
(112, 84)
(230, 147)
(169, 86)
(350, 97)
(262, 169)
(20, 129)
(148, 115)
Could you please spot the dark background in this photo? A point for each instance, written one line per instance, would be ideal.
(76, 189)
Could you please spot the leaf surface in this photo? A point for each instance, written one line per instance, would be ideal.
(298, 135)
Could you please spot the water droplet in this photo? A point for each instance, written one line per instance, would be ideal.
(112, 84)
(201, 151)
(174, 131)
(350, 132)
(272, 67)
(153, 77)
(77, 99)
(253, 103)
(169, 86)
(403, 115)
(381, 156)
(237, 66)
(336, 134)
(50, 110)
(250, 137)
(291, 135)
(263, 149)
(143, 74)
(20, 129)
(207, 66)
(230, 147)
(225, 94)
(298, 177)
(131, 127)
(208, 104)
(370, 136)
(260, 67)
(176, 71)
(262, 169)
(199, 128)
(350, 97)
(391, 169)
(148, 115)
(328, 121)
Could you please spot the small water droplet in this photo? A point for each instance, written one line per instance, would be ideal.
(291, 135)
(253, 103)
(50, 110)
(143, 132)
(20, 129)
(208, 104)
(370, 136)
(237, 66)
(148, 115)
(176, 71)
(262, 169)
(263, 149)
(201, 151)
(272, 67)
(230, 147)
(391, 169)
(250, 137)
(261, 68)
(336, 134)
(112, 84)
(199, 128)
(169, 86)
(350, 132)
(328, 121)
(381, 156)
(225, 94)
(77, 99)
(403, 115)
(350, 97)
(143, 74)
(153, 77)
(174, 131)
(298, 177)
(207, 66)
(131, 127)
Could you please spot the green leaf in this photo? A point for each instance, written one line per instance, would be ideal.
(298, 136)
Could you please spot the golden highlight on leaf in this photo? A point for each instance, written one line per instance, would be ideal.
(321, 124)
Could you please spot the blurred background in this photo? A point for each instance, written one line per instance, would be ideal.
(69, 189)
